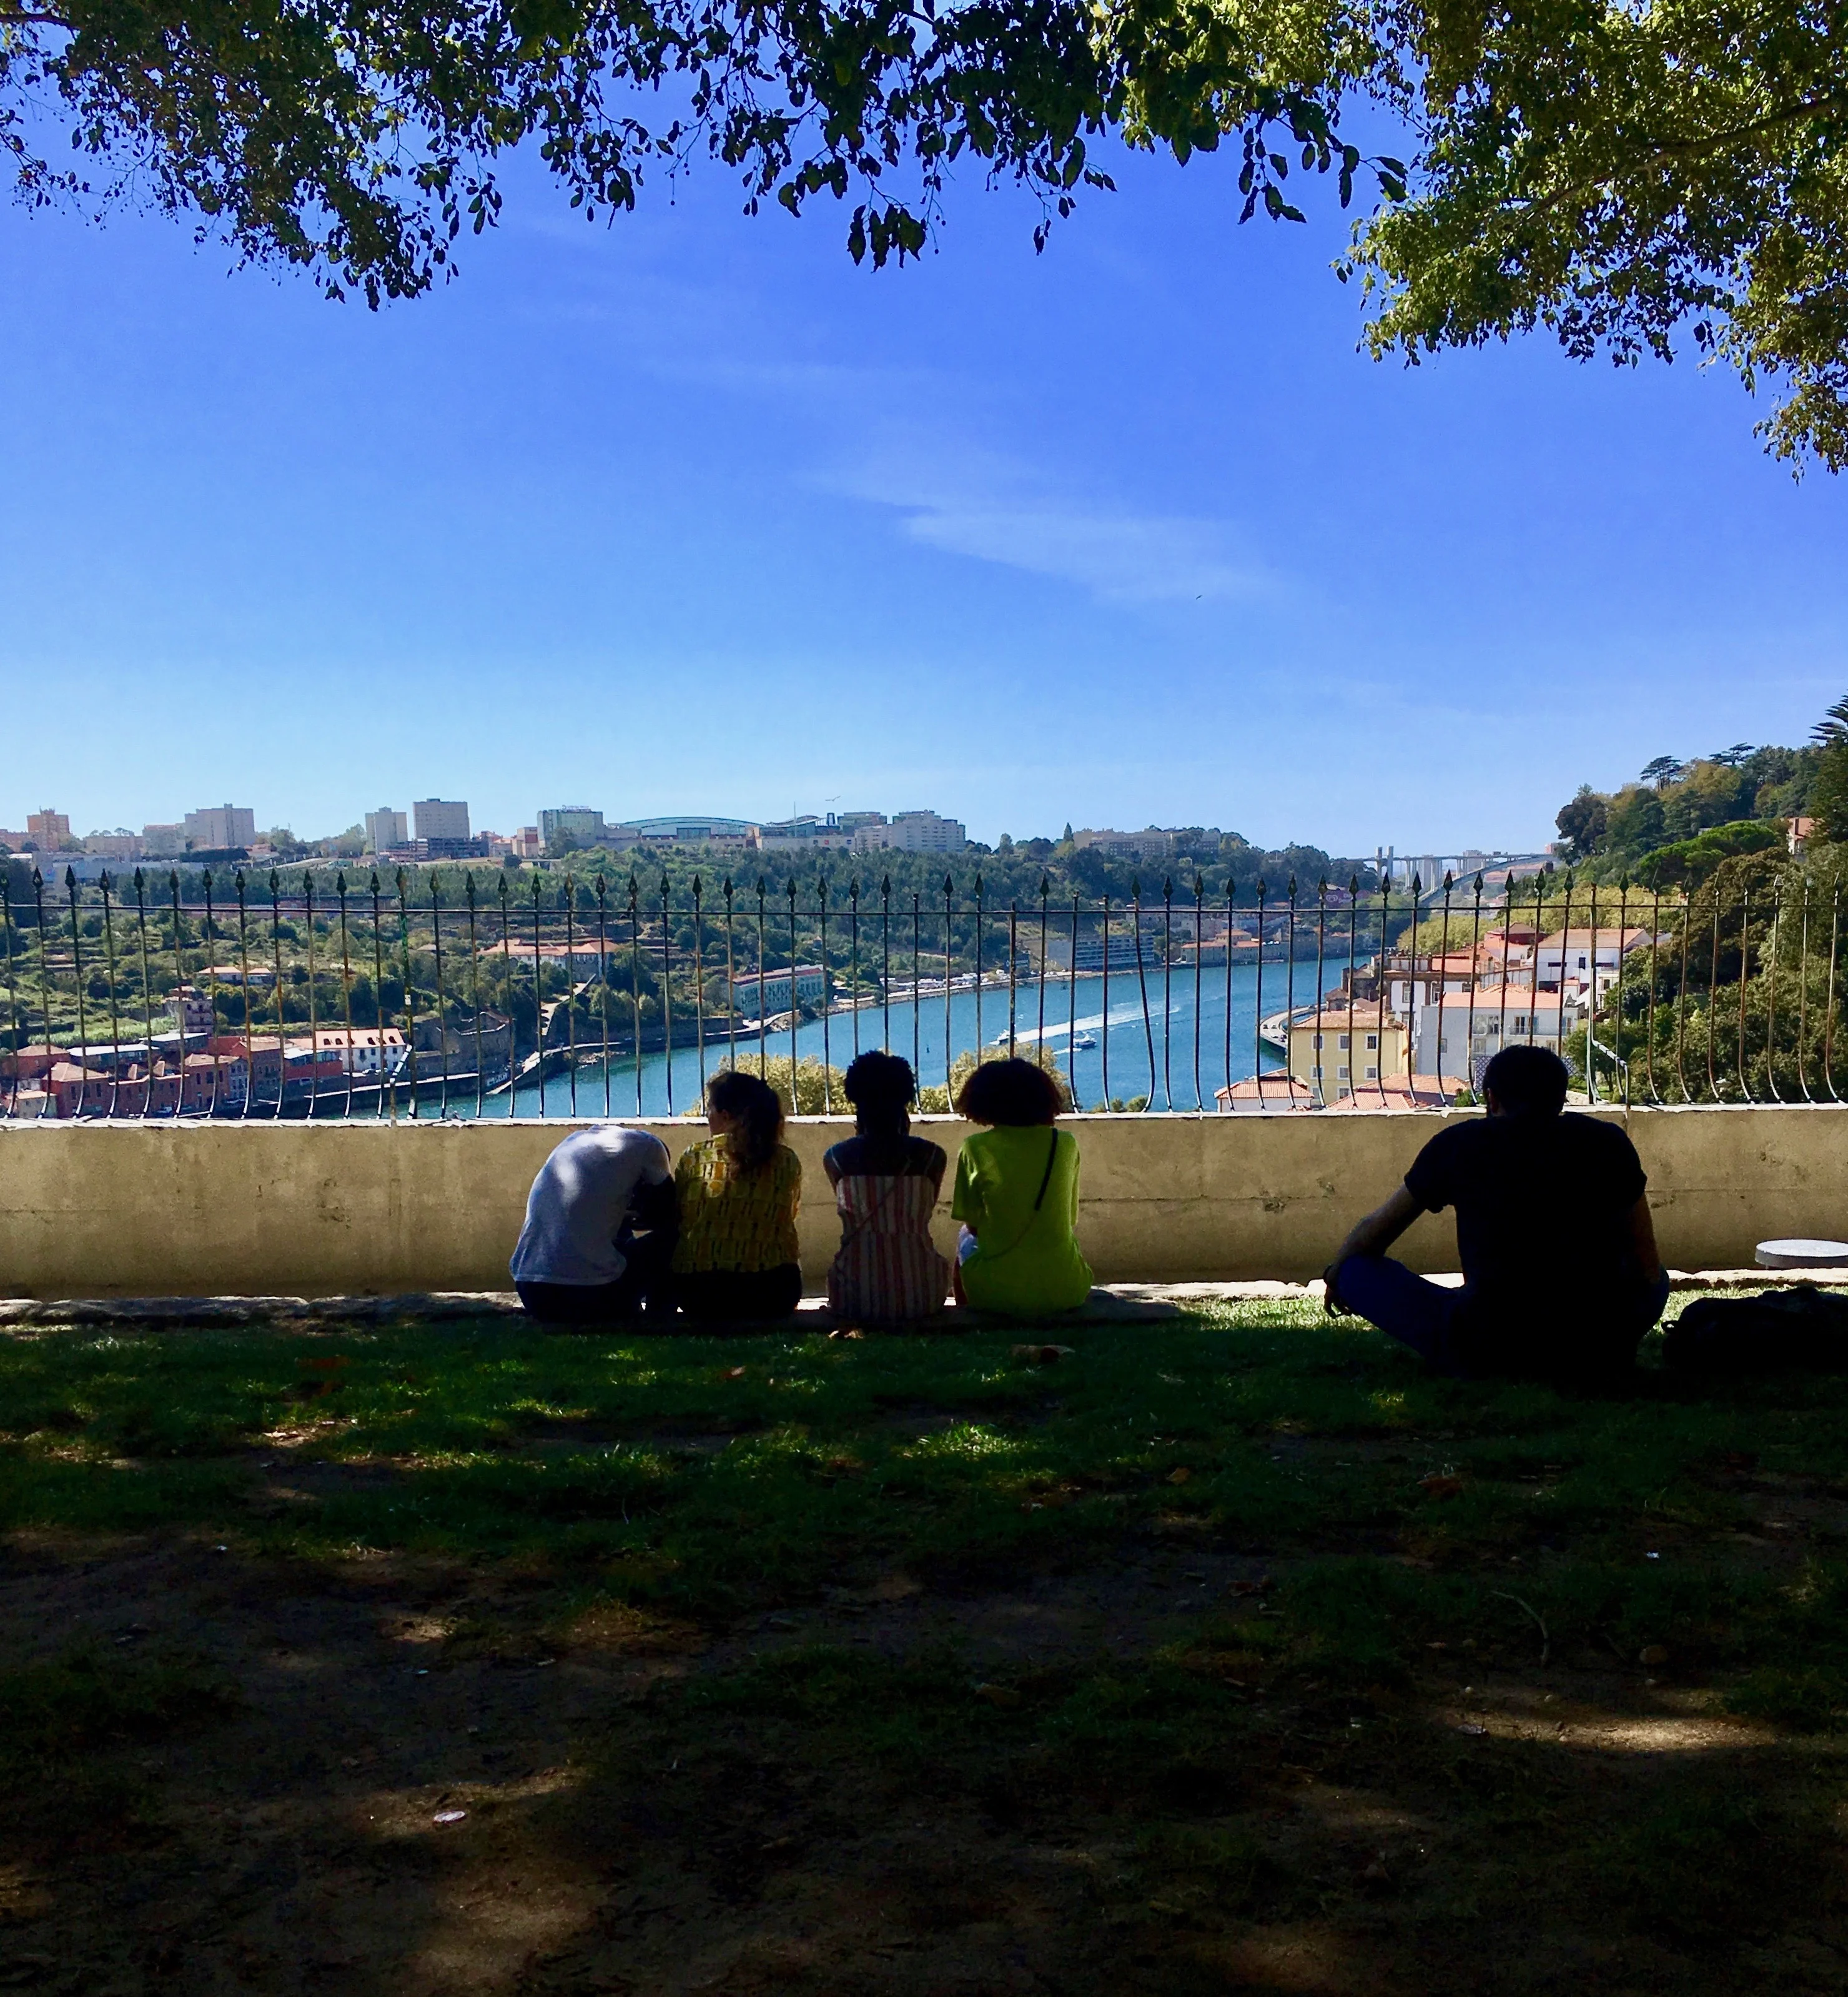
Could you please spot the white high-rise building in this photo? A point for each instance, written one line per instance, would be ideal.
(216, 827)
(384, 829)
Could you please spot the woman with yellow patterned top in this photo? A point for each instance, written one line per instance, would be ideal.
(739, 1192)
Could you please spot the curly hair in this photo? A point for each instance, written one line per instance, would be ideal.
(881, 1089)
(1010, 1092)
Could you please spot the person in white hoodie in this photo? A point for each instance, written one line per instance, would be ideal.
(600, 1223)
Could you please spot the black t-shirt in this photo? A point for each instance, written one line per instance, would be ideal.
(1542, 1205)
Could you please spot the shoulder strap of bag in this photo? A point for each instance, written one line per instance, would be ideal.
(1052, 1157)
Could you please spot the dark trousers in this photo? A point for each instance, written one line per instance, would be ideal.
(746, 1294)
(1444, 1329)
(641, 1286)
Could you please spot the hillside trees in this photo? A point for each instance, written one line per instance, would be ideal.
(1673, 804)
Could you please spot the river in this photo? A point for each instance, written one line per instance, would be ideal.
(664, 1088)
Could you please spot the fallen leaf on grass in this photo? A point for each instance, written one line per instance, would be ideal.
(996, 1695)
(735, 1373)
(1042, 1355)
(1440, 1484)
(1180, 1476)
(1652, 1654)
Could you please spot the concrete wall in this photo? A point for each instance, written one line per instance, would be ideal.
(320, 1210)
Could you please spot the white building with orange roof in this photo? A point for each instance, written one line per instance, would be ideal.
(1453, 1041)
(1591, 956)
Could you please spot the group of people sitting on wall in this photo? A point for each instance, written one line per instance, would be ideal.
(614, 1229)
(1562, 1280)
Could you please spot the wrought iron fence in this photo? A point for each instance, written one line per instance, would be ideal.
(460, 992)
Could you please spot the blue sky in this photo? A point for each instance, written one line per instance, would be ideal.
(688, 512)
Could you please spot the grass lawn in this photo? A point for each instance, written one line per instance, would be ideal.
(1228, 1655)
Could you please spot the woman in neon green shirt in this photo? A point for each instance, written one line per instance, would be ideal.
(1017, 1195)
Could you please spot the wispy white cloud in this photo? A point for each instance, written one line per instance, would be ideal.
(968, 500)
(1119, 556)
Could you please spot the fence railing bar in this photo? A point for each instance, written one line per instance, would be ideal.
(1745, 946)
(1148, 1102)
(1380, 984)
(1046, 889)
(12, 989)
(699, 985)
(314, 1016)
(1199, 981)
(410, 998)
(1803, 999)
(77, 976)
(1770, 962)
(243, 971)
(1071, 1010)
(1257, 1027)
(474, 1003)
(980, 1045)
(1167, 998)
(1230, 898)
(635, 973)
(794, 1009)
(853, 956)
(1104, 1036)
(1013, 982)
(949, 889)
(1835, 931)
(731, 980)
(442, 996)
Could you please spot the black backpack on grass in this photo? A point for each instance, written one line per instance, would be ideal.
(1801, 1329)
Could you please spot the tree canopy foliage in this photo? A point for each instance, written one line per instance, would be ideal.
(1677, 824)
(1620, 173)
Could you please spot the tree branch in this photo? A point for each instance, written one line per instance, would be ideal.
(1661, 150)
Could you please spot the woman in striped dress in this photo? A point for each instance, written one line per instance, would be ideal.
(886, 1184)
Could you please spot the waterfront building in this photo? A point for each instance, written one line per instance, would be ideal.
(365, 1050)
(1335, 1052)
(758, 994)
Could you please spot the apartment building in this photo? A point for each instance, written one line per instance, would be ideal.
(1336, 1051)
(578, 825)
(385, 829)
(220, 828)
(913, 831)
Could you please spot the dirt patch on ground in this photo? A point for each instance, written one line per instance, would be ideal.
(423, 1777)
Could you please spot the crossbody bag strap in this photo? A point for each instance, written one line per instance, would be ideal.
(1052, 1158)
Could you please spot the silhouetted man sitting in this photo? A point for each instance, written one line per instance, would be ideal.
(1561, 1279)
